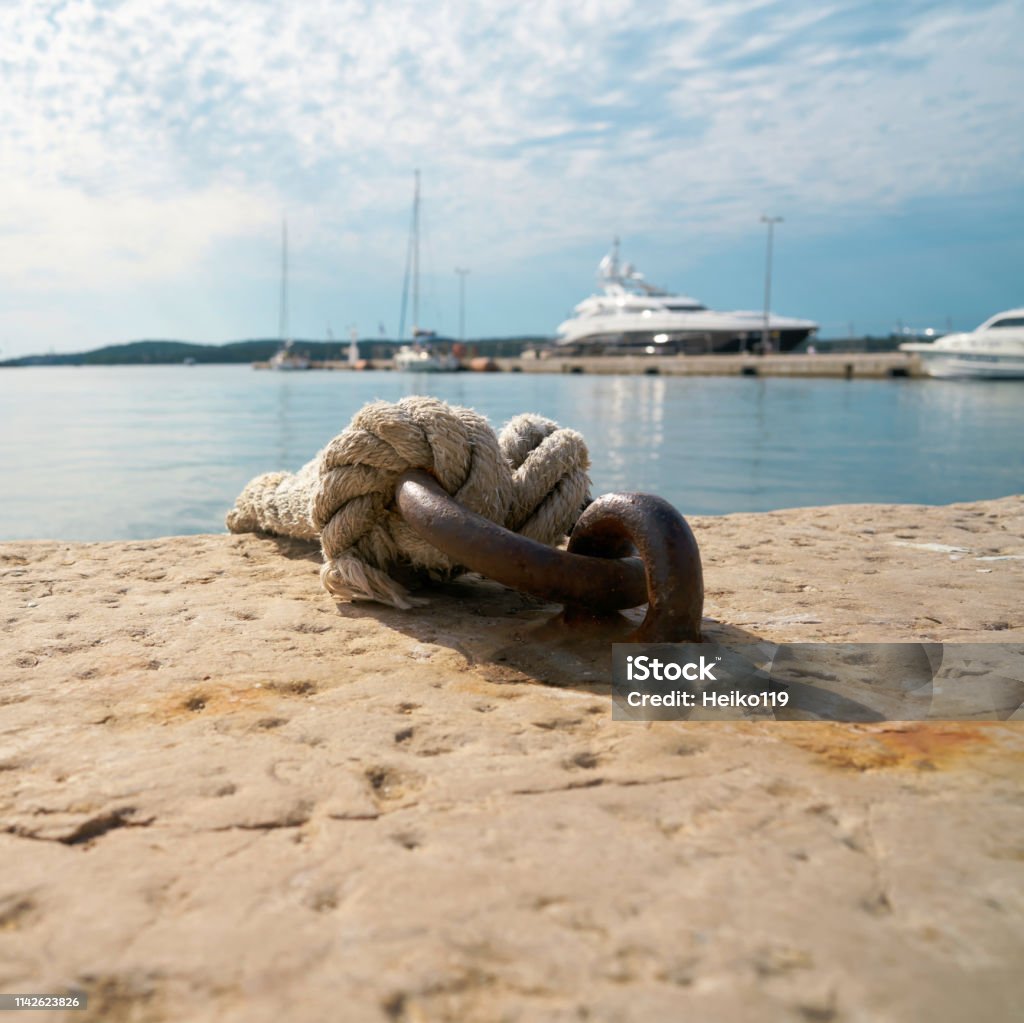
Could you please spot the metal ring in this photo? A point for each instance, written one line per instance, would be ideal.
(592, 574)
(673, 572)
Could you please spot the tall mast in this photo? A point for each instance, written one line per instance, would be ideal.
(282, 323)
(416, 255)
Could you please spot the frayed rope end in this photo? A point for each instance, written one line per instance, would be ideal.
(348, 578)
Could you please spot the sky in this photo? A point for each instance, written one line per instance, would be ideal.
(149, 151)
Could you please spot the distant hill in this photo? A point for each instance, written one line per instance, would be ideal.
(168, 353)
(153, 353)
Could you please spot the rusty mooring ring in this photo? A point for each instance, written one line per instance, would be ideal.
(592, 574)
(674, 576)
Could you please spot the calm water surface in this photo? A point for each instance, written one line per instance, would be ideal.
(136, 452)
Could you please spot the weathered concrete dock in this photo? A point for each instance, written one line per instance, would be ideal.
(871, 365)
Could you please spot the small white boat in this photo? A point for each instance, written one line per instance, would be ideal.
(420, 356)
(415, 359)
(286, 359)
(993, 351)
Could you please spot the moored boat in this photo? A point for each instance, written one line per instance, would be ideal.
(994, 350)
(418, 359)
(286, 359)
(632, 316)
(420, 356)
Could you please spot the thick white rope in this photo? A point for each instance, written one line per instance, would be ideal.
(531, 479)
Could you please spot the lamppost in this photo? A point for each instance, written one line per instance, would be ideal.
(766, 337)
(461, 271)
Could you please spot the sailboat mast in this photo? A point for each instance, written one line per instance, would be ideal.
(282, 323)
(416, 256)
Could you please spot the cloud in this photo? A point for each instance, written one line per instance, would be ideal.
(139, 136)
(56, 236)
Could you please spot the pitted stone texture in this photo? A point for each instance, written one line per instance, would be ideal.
(223, 797)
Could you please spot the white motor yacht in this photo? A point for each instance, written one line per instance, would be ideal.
(995, 350)
(632, 316)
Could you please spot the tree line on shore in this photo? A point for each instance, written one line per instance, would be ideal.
(167, 353)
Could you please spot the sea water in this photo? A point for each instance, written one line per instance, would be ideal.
(104, 453)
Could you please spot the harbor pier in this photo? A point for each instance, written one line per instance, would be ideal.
(843, 365)
(861, 365)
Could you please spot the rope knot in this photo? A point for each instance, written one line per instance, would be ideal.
(531, 479)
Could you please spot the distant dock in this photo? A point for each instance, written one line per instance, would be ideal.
(870, 365)
(841, 365)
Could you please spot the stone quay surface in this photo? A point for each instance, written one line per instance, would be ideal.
(225, 797)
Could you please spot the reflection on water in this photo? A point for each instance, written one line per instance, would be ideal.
(633, 407)
(131, 452)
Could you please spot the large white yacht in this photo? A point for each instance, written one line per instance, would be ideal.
(635, 317)
(993, 350)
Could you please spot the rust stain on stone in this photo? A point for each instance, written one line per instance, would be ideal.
(923, 746)
(218, 698)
